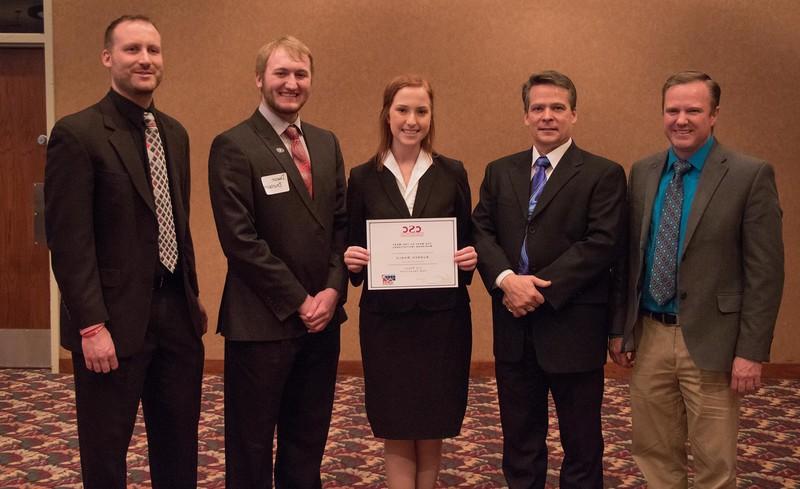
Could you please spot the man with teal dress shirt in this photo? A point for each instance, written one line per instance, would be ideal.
(690, 180)
(700, 292)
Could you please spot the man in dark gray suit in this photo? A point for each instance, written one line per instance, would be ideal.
(117, 211)
(704, 283)
(278, 195)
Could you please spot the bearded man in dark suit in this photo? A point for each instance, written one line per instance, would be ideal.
(117, 216)
(278, 195)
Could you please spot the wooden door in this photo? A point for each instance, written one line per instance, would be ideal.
(24, 270)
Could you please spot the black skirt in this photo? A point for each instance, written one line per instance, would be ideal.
(416, 372)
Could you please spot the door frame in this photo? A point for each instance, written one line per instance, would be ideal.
(45, 40)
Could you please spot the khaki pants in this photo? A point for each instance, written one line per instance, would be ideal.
(672, 401)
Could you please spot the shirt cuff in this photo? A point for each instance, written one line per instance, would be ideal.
(505, 273)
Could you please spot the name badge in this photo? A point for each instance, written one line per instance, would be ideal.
(275, 184)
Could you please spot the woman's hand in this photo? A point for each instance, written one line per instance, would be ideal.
(355, 257)
(466, 259)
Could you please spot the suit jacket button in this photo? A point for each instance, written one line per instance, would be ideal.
(683, 295)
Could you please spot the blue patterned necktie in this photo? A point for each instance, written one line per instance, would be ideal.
(665, 260)
(537, 184)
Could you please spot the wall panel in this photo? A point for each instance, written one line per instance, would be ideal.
(476, 53)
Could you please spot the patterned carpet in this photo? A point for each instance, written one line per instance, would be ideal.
(38, 441)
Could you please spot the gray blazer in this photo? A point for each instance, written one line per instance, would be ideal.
(730, 275)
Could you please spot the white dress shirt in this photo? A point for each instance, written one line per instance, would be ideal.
(409, 192)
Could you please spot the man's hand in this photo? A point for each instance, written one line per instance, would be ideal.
(622, 358)
(99, 352)
(521, 294)
(745, 375)
(466, 259)
(356, 257)
(307, 309)
(326, 301)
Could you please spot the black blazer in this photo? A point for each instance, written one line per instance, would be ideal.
(280, 247)
(574, 237)
(443, 192)
(101, 224)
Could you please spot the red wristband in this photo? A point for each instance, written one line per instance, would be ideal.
(91, 331)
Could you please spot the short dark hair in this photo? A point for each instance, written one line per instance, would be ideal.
(690, 76)
(549, 77)
(108, 39)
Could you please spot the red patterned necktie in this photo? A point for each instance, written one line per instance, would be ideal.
(167, 243)
(300, 157)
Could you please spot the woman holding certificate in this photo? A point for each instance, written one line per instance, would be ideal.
(415, 342)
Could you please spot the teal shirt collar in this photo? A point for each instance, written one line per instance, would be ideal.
(697, 160)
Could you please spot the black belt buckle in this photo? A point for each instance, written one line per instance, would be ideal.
(663, 317)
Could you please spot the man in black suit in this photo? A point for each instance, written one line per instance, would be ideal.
(278, 195)
(548, 228)
(117, 214)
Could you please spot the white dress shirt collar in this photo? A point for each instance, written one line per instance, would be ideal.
(554, 156)
(278, 124)
(409, 192)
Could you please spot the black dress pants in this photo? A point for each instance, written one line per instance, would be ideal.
(166, 375)
(288, 386)
(522, 389)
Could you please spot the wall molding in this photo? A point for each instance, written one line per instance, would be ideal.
(25, 348)
(486, 369)
(22, 39)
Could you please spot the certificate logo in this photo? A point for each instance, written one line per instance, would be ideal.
(412, 230)
(388, 278)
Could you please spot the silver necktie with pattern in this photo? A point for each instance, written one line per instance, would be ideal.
(159, 179)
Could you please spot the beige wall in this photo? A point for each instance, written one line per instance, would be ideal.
(476, 53)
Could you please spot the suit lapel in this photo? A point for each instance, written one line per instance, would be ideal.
(654, 170)
(424, 188)
(567, 168)
(391, 190)
(174, 153)
(520, 176)
(319, 174)
(123, 143)
(275, 146)
(713, 171)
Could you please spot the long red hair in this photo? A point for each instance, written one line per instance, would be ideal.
(389, 93)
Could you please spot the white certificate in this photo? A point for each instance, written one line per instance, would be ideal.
(411, 253)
